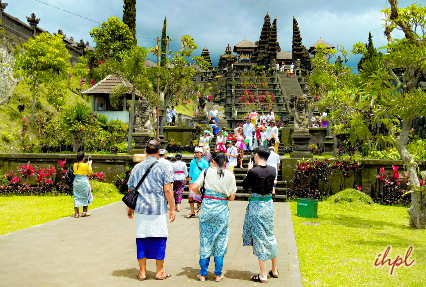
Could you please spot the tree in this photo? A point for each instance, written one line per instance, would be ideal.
(132, 68)
(408, 55)
(45, 60)
(370, 52)
(129, 17)
(163, 52)
(111, 38)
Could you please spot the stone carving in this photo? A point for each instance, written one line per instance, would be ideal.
(299, 109)
(202, 104)
(234, 112)
(297, 66)
(143, 122)
(7, 82)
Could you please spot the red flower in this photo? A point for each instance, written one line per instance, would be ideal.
(62, 162)
(395, 168)
(382, 170)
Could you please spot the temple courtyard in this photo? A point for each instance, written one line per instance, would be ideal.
(100, 250)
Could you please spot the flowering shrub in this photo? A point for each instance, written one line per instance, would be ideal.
(100, 176)
(390, 187)
(122, 179)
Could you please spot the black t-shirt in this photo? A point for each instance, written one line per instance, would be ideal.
(260, 179)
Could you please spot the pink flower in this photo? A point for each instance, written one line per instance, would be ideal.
(62, 162)
(359, 188)
(395, 168)
(15, 179)
(382, 170)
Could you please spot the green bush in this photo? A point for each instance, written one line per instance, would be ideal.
(351, 196)
(103, 188)
(5, 136)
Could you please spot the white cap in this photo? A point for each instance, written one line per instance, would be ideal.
(198, 149)
(162, 151)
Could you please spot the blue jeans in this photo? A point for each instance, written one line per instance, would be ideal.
(204, 264)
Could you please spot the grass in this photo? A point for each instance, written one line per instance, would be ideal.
(19, 212)
(186, 109)
(341, 250)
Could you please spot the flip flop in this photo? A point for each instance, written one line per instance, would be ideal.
(190, 215)
(77, 215)
(218, 279)
(199, 278)
(141, 278)
(272, 274)
(256, 278)
(165, 277)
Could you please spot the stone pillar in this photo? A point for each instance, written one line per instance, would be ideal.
(329, 140)
(33, 21)
(81, 46)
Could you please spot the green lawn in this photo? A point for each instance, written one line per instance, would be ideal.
(19, 212)
(341, 251)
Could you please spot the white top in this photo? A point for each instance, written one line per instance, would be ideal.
(273, 160)
(263, 136)
(205, 139)
(270, 131)
(248, 130)
(226, 184)
(151, 225)
(220, 139)
(271, 116)
(232, 161)
(214, 113)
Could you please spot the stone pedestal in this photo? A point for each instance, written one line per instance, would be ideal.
(201, 119)
(301, 145)
(328, 144)
(140, 142)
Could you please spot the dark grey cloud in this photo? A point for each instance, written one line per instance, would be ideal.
(214, 24)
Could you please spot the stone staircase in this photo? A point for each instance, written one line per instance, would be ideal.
(280, 190)
(289, 86)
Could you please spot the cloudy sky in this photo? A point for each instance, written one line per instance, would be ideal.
(214, 24)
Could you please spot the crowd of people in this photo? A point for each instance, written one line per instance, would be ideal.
(212, 185)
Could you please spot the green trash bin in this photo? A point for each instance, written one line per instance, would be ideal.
(307, 207)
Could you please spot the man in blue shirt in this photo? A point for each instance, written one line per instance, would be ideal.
(196, 167)
(173, 114)
(151, 209)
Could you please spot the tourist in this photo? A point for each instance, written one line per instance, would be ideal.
(169, 157)
(288, 73)
(169, 115)
(263, 136)
(220, 187)
(259, 135)
(197, 165)
(232, 154)
(101, 107)
(263, 119)
(180, 173)
(291, 69)
(207, 155)
(272, 135)
(81, 187)
(220, 141)
(240, 145)
(173, 113)
(213, 114)
(150, 214)
(258, 230)
(271, 115)
(248, 129)
(213, 124)
(253, 117)
(205, 139)
(274, 161)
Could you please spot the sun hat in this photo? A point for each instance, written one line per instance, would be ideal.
(198, 149)
(162, 151)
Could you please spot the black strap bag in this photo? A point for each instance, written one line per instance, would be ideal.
(132, 196)
(203, 189)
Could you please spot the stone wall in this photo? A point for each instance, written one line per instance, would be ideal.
(181, 135)
(7, 82)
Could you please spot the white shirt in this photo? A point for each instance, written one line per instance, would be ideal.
(248, 130)
(205, 139)
(226, 184)
(220, 139)
(271, 116)
(232, 161)
(214, 113)
(270, 131)
(273, 160)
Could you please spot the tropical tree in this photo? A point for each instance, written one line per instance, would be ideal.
(45, 60)
(111, 38)
(129, 17)
(163, 52)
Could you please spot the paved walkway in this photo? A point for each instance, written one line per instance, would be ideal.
(100, 250)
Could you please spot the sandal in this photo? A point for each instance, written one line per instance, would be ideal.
(88, 213)
(190, 215)
(272, 274)
(141, 278)
(77, 215)
(199, 277)
(165, 277)
(256, 278)
(83, 214)
(218, 279)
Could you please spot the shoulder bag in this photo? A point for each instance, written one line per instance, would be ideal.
(132, 196)
(203, 189)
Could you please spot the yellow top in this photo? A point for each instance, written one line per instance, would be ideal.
(83, 169)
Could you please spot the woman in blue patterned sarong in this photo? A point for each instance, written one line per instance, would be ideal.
(81, 187)
(220, 187)
(258, 230)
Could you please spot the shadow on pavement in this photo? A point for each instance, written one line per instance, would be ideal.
(132, 273)
(189, 272)
(238, 274)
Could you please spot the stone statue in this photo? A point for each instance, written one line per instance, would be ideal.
(297, 66)
(202, 105)
(301, 118)
(143, 122)
(7, 82)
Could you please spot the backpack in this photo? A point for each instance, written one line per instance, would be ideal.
(69, 177)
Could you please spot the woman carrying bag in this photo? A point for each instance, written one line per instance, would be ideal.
(81, 187)
(220, 187)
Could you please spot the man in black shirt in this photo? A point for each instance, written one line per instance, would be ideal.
(258, 230)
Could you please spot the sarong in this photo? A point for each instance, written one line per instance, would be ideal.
(240, 146)
(81, 190)
(178, 187)
(192, 196)
(213, 223)
(258, 230)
